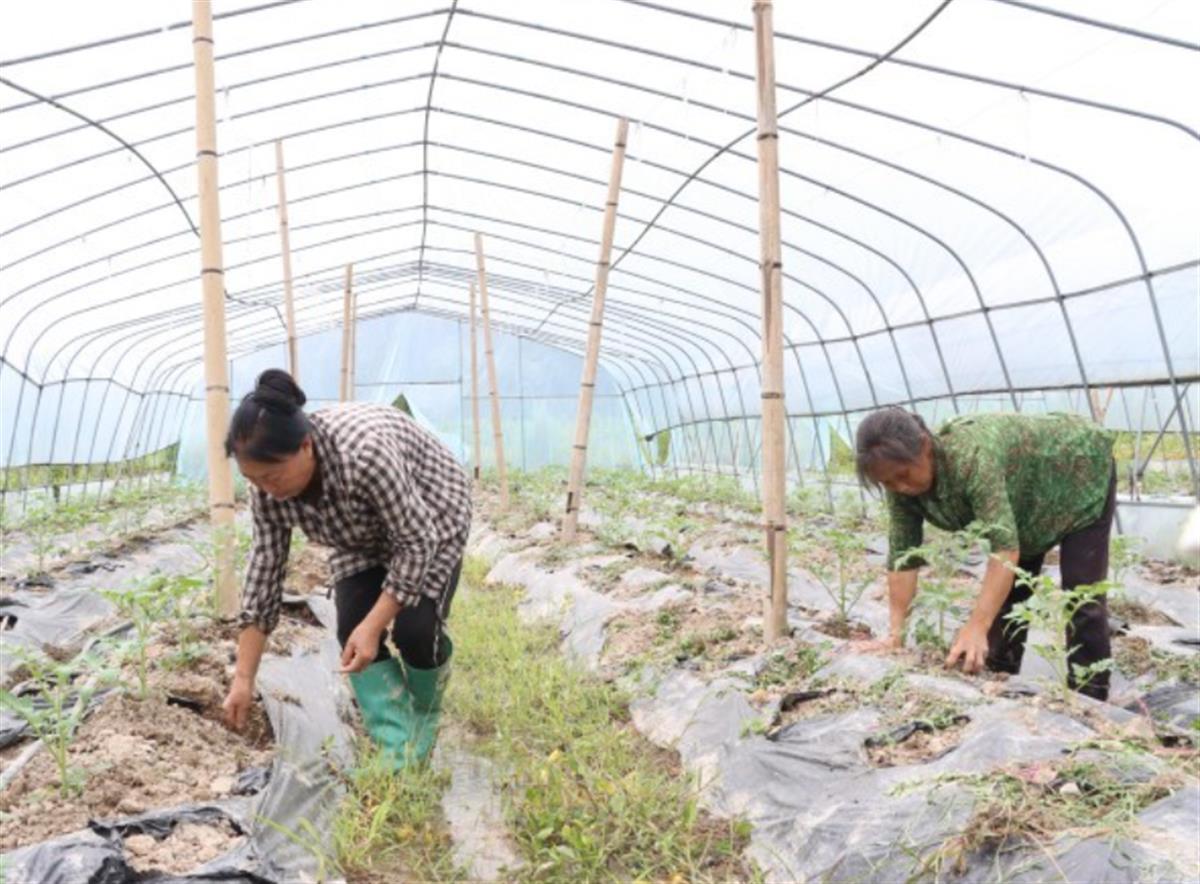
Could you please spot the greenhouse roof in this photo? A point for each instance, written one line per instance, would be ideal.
(977, 195)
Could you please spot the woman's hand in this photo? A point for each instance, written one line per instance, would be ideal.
(361, 647)
(237, 703)
(971, 647)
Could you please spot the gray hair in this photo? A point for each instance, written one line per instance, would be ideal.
(891, 435)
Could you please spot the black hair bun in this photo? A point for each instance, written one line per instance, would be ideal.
(275, 389)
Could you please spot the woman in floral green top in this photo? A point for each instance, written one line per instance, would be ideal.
(1033, 482)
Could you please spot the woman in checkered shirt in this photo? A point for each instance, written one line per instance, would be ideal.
(394, 504)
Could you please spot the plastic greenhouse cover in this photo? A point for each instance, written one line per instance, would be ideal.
(1012, 184)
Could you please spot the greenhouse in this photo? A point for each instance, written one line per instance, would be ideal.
(727, 441)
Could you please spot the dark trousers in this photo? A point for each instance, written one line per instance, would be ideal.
(1083, 559)
(416, 631)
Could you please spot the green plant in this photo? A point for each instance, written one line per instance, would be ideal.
(1124, 553)
(793, 663)
(57, 700)
(311, 841)
(839, 578)
(387, 813)
(39, 524)
(143, 605)
(939, 598)
(589, 799)
(185, 598)
(1049, 611)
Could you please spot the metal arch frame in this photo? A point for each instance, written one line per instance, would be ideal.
(1096, 23)
(900, 62)
(1145, 274)
(866, 373)
(437, 60)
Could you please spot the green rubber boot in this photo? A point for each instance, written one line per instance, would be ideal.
(427, 687)
(387, 709)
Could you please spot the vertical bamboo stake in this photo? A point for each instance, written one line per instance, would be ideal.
(212, 281)
(347, 323)
(475, 394)
(587, 386)
(774, 478)
(493, 384)
(285, 250)
(352, 365)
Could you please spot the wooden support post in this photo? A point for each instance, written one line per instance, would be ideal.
(352, 366)
(285, 250)
(493, 383)
(478, 450)
(587, 386)
(344, 391)
(774, 487)
(212, 282)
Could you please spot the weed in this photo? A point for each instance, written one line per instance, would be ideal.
(667, 622)
(307, 838)
(389, 819)
(1036, 804)
(589, 799)
(792, 664)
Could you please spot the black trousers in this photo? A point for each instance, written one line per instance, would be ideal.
(1083, 559)
(416, 631)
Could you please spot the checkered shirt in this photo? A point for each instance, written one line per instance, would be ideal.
(392, 495)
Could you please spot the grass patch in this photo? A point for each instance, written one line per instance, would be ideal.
(390, 826)
(588, 798)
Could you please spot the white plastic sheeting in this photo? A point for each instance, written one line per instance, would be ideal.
(979, 197)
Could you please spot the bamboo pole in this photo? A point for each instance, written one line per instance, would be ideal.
(493, 384)
(774, 477)
(587, 386)
(475, 395)
(347, 325)
(212, 282)
(352, 367)
(285, 250)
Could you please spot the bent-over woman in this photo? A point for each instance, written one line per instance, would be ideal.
(1034, 483)
(395, 506)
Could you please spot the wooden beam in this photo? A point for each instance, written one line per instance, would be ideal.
(774, 487)
(285, 251)
(587, 386)
(493, 383)
(478, 450)
(345, 394)
(212, 283)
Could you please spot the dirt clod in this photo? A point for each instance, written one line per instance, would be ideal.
(188, 846)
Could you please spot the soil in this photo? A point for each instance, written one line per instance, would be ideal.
(1170, 572)
(1132, 654)
(705, 634)
(831, 703)
(922, 746)
(189, 845)
(855, 630)
(135, 755)
(1137, 612)
(308, 570)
